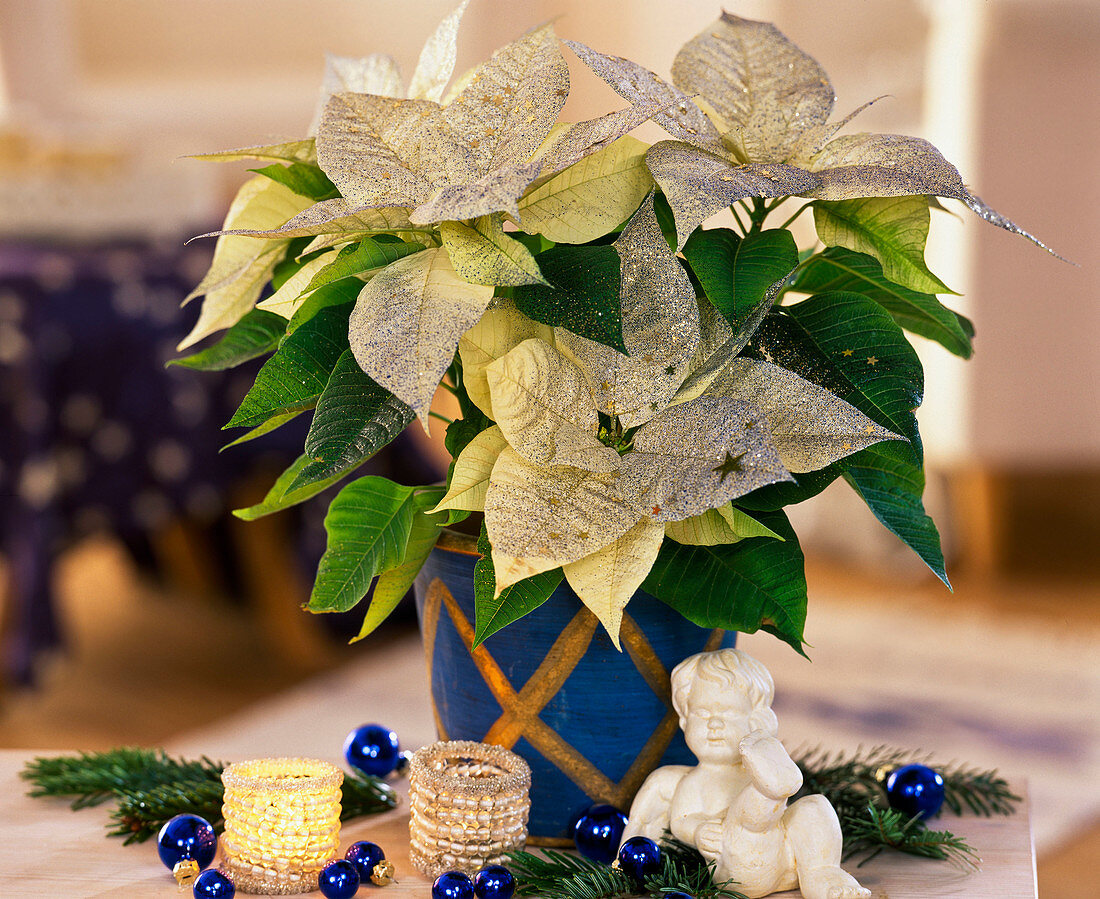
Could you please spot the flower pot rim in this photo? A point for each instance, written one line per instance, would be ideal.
(455, 542)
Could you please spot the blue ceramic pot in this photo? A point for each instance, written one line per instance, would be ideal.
(591, 721)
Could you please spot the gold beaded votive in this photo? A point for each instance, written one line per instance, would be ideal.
(282, 824)
(468, 805)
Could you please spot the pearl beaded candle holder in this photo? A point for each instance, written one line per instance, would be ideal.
(468, 804)
(282, 824)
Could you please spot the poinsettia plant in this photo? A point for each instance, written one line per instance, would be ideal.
(639, 396)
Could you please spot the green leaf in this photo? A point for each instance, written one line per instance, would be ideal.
(810, 338)
(338, 293)
(392, 586)
(759, 583)
(304, 179)
(891, 484)
(805, 486)
(254, 335)
(892, 229)
(364, 256)
(496, 612)
(280, 496)
(295, 376)
(850, 345)
(355, 418)
(368, 525)
(584, 296)
(736, 272)
(921, 313)
(272, 424)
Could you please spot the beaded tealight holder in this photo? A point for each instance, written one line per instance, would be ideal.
(468, 804)
(282, 823)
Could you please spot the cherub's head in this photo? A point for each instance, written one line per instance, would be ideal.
(722, 697)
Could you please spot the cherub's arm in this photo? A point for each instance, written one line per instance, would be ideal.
(649, 814)
(771, 769)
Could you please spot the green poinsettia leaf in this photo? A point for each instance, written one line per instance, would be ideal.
(737, 272)
(254, 335)
(393, 585)
(368, 526)
(337, 293)
(850, 345)
(757, 584)
(726, 524)
(493, 611)
(291, 151)
(354, 419)
(922, 313)
(787, 493)
(407, 323)
(272, 424)
(891, 483)
(893, 230)
(360, 258)
(280, 496)
(305, 180)
(583, 296)
(293, 379)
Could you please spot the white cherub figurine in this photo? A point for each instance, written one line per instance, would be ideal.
(732, 807)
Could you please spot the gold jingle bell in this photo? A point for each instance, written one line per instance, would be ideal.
(186, 872)
(382, 875)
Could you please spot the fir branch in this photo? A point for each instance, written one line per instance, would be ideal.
(979, 792)
(880, 829)
(91, 778)
(565, 876)
(151, 787)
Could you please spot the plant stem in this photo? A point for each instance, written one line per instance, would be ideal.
(801, 209)
(443, 418)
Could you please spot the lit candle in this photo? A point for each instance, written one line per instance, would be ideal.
(468, 806)
(282, 823)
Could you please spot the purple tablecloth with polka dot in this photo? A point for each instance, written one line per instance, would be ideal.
(95, 432)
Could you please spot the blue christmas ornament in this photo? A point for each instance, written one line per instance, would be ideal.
(639, 857)
(213, 885)
(915, 790)
(676, 894)
(598, 833)
(372, 749)
(338, 879)
(402, 766)
(364, 855)
(186, 838)
(453, 885)
(494, 882)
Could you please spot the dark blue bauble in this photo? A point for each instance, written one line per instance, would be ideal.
(401, 768)
(186, 837)
(453, 885)
(494, 882)
(338, 879)
(915, 790)
(639, 857)
(372, 749)
(364, 855)
(598, 833)
(676, 894)
(213, 885)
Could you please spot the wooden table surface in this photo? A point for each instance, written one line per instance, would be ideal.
(50, 852)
